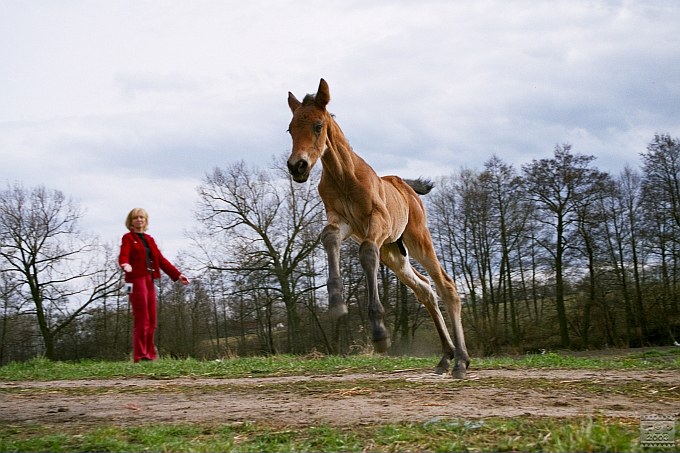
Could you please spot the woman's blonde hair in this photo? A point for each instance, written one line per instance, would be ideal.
(134, 213)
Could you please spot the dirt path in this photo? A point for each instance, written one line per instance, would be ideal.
(343, 400)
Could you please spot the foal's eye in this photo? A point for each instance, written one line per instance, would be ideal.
(318, 127)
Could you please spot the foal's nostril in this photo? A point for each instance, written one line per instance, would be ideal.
(297, 168)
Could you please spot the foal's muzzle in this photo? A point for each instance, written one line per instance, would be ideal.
(299, 170)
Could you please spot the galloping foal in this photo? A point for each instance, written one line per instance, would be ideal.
(384, 215)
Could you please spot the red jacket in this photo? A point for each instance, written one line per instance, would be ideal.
(132, 251)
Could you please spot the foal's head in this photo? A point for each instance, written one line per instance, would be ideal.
(308, 128)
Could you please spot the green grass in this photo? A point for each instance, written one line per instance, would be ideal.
(668, 359)
(492, 434)
(287, 365)
(281, 365)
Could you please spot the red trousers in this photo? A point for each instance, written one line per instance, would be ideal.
(143, 301)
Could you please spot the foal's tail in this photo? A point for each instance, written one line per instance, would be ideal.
(422, 186)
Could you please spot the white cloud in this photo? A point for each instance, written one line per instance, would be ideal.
(99, 98)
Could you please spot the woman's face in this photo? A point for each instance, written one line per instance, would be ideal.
(138, 223)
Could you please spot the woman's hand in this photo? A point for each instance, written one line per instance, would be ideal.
(126, 267)
(183, 279)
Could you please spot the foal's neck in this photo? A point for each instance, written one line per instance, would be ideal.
(340, 162)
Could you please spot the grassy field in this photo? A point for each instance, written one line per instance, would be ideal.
(496, 434)
(530, 433)
(286, 365)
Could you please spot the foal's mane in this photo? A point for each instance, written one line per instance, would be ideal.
(309, 99)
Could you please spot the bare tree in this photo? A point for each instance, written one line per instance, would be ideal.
(59, 271)
(623, 233)
(264, 227)
(591, 221)
(558, 187)
(662, 176)
(9, 319)
(661, 203)
(509, 215)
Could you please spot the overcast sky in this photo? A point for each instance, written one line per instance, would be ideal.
(130, 103)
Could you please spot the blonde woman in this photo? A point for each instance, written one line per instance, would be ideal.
(142, 262)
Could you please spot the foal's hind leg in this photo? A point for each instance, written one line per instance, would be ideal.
(446, 288)
(392, 258)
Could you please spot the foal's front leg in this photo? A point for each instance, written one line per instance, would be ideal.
(369, 257)
(331, 238)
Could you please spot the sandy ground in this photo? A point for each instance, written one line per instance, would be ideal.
(343, 400)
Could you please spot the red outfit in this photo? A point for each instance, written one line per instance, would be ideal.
(143, 295)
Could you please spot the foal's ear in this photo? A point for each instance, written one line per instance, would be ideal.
(323, 95)
(293, 103)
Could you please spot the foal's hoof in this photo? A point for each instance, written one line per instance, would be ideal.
(381, 345)
(458, 372)
(443, 365)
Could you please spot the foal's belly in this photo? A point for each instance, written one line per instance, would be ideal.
(358, 216)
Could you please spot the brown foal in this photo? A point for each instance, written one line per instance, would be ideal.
(383, 214)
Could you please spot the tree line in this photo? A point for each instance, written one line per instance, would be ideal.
(553, 254)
